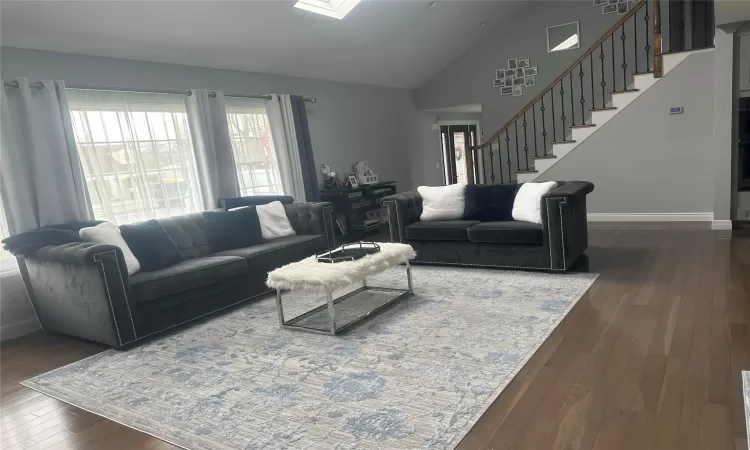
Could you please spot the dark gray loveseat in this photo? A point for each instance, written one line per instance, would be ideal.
(83, 289)
(554, 245)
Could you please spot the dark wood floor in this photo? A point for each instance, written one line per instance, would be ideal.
(650, 358)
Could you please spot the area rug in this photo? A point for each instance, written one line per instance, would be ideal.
(746, 395)
(419, 375)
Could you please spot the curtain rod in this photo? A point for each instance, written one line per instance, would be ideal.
(39, 84)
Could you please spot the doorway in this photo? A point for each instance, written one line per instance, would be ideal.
(455, 141)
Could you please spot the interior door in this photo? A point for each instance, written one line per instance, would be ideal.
(457, 159)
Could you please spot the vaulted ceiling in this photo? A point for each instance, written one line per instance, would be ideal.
(399, 43)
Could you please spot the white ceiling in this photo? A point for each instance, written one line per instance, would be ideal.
(388, 43)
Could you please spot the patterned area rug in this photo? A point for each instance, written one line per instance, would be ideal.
(418, 375)
(746, 391)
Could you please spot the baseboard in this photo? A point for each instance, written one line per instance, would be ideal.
(18, 329)
(721, 224)
(649, 217)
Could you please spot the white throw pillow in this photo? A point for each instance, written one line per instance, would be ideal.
(273, 221)
(528, 201)
(109, 233)
(442, 202)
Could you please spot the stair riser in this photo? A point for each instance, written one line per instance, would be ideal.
(644, 81)
(624, 99)
(580, 134)
(602, 117)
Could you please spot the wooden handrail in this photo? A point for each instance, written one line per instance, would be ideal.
(591, 49)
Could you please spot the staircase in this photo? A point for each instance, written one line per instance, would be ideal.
(623, 64)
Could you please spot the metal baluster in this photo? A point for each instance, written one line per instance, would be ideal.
(648, 46)
(624, 64)
(554, 130)
(591, 67)
(518, 157)
(500, 159)
(572, 103)
(484, 167)
(583, 100)
(509, 163)
(692, 25)
(562, 110)
(492, 164)
(635, 39)
(525, 140)
(533, 119)
(614, 77)
(544, 127)
(603, 83)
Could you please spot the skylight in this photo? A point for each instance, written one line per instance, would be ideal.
(332, 8)
(570, 42)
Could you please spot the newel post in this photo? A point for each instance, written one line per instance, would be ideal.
(657, 40)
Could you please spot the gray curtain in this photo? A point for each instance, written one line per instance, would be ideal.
(41, 180)
(304, 146)
(207, 117)
(291, 139)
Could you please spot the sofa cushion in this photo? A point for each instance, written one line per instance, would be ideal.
(439, 230)
(226, 230)
(271, 245)
(489, 202)
(188, 234)
(506, 232)
(150, 244)
(185, 275)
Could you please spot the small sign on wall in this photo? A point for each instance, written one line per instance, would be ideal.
(676, 110)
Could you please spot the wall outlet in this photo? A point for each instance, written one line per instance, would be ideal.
(435, 126)
(437, 165)
(676, 110)
(743, 213)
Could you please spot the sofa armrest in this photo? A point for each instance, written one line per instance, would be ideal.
(564, 222)
(404, 209)
(83, 289)
(312, 218)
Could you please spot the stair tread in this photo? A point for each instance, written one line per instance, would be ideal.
(625, 91)
(527, 171)
(563, 142)
(606, 108)
(648, 72)
(585, 125)
(545, 157)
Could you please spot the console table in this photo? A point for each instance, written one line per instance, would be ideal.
(352, 205)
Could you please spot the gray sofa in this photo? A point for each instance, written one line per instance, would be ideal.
(554, 245)
(82, 289)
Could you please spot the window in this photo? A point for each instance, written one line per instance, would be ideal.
(7, 261)
(332, 8)
(254, 154)
(136, 154)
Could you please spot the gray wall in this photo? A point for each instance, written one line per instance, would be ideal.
(731, 11)
(668, 165)
(16, 314)
(350, 122)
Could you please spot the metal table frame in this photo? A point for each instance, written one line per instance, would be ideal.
(331, 302)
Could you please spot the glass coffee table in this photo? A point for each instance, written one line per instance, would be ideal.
(341, 314)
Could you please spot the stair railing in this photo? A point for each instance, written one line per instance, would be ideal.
(513, 147)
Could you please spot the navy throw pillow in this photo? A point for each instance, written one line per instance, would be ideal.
(226, 230)
(150, 244)
(489, 202)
